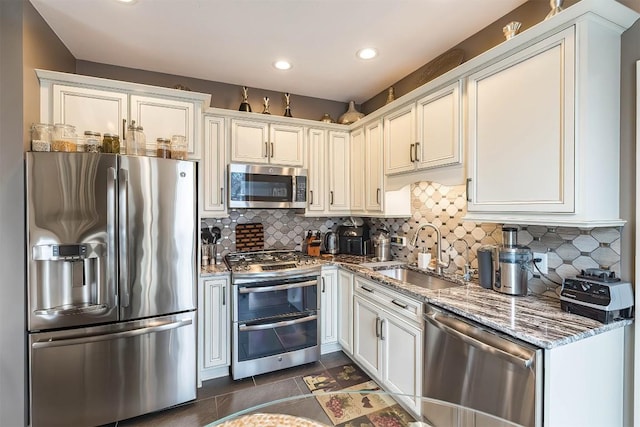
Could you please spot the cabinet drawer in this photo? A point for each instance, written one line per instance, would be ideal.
(392, 301)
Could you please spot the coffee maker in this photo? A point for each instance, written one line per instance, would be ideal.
(354, 240)
(505, 268)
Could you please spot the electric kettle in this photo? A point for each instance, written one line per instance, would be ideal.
(330, 243)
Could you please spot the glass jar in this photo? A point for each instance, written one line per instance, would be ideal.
(163, 148)
(81, 144)
(94, 144)
(41, 136)
(136, 140)
(178, 147)
(63, 138)
(111, 143)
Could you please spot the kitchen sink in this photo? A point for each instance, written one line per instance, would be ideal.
(416, 278)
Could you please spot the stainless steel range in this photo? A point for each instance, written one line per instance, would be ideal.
(275, 311)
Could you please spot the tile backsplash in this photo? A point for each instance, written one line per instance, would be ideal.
(568, 249)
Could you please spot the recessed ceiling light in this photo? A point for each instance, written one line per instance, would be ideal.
(282, 65)
(127, 1)
(367, 53)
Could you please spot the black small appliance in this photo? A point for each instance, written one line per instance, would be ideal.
(353, 240)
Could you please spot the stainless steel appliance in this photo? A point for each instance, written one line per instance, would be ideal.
(254, 186)
(330, 243)
(481, 369)
(505, 268)
(111, 286)
(382, 245)
(276, 317)
(597, 294)
(354, 240)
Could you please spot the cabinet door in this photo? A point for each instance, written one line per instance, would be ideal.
(374, 176)
(162, 118)
(399, 140)
(338, 171)
(286, 145)
(521, 131)
(215, 325)
(90, 109)
(367, 350)
(212, 172)
(249, 141)
(439, 135)
(329, 306)
(317, 170)
(402, 350)
(345, 310)
(357, 170)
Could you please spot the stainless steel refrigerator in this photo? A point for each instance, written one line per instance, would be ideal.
(111, 292)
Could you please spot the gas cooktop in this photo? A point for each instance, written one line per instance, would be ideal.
(270, 263)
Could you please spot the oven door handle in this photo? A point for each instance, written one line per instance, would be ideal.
(256, 289)
(245, 328)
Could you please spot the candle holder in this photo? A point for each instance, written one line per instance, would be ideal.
(287, 108)
(244, 106)
(511, 29)
(266, 105)
(556, 7)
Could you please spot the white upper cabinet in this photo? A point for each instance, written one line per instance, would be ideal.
(213, 167)
(424, 134)
(358, 166)
(108, 106)
(439, 125)
(267, 143)
(374, 175)
(317, 173)
(544, 128)
(338, 171)
(89, 109)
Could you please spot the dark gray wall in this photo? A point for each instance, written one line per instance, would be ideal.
(223, 95)
(26, 42)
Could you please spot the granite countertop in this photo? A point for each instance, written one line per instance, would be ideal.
(535, 319)
(213, 270)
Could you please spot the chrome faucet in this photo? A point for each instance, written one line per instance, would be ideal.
(468, 271)
(439, 263)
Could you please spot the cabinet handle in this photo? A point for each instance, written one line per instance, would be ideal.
(378, 196)
(272, 151)
(467, 189)
(377, 327)
(224, 295)
(322, 285)
(124, 128)
(366, 289)
(222, 195)
(417, 144)
(330, 197)
(399, 304)
(266, 149)
(311, 197)
(381, 330)
(411, 152)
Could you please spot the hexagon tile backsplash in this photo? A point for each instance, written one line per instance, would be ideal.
(568, 249)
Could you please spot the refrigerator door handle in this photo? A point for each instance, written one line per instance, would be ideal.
(111, 231)
(59, 342)
(123, 193)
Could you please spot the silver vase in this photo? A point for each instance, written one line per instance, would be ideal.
(351, 115)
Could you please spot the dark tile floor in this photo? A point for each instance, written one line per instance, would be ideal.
(220, 397)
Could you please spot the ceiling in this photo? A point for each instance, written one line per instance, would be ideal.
(237, 41)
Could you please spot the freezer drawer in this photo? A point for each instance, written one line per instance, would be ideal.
(98, 375)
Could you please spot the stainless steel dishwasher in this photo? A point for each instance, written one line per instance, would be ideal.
(474, 367)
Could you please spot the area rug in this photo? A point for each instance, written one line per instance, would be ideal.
(354, 409)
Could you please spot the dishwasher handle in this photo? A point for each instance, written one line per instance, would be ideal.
(479, 338)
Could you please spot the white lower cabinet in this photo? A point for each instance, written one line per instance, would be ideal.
(345, 311)
(329, 310)
(213, 328)
(387, 340)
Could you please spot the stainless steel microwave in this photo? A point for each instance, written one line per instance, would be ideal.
(253, 186)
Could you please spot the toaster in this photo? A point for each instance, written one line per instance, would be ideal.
(599, 295)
